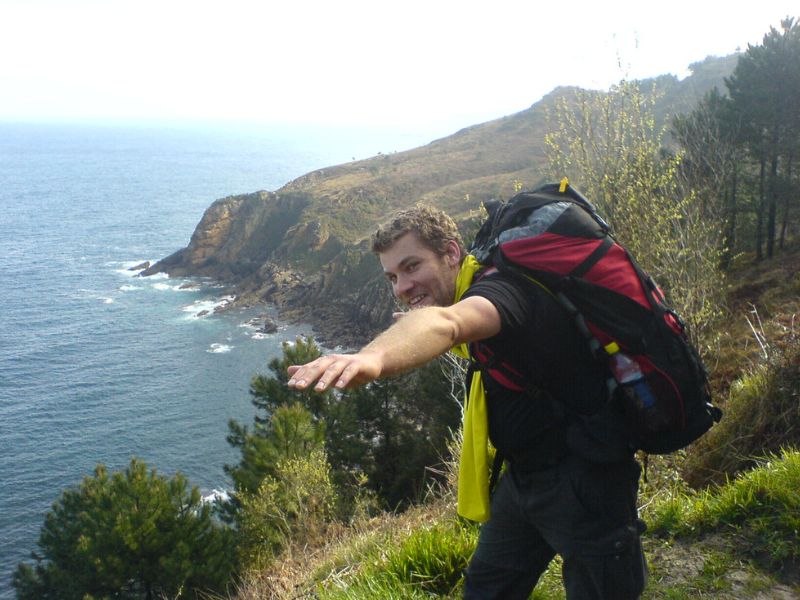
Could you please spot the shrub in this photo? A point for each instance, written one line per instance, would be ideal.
(761, 416)
(296, 505)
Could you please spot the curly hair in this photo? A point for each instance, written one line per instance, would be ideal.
(433, 226)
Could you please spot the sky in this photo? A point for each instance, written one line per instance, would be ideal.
(372, 62)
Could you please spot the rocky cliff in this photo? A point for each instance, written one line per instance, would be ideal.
(269, 247)
(305, 247)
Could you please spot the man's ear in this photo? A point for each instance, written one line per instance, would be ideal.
(453, 253)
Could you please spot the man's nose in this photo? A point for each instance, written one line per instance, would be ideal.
(402, 285)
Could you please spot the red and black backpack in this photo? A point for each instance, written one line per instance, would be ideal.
(553, 237)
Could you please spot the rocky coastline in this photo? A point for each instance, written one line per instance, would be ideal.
(331, 322)
(348, 321)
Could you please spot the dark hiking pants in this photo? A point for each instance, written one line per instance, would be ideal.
(583, 511)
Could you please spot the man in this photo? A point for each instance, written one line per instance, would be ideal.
(552, 499)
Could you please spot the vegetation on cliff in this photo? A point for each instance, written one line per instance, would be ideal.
(738, 540)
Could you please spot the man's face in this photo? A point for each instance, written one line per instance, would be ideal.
(418, 275)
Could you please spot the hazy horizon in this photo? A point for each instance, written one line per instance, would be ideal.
(439, 66)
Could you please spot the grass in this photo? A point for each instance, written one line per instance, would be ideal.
(762, 416)
(726, 542)
(765, 295)
(428, 563)
(761, 508)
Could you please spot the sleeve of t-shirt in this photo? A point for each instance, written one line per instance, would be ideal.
(515, 305)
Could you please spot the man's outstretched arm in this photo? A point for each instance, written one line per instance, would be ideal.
(416, 338)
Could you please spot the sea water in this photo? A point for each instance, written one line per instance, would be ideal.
(98, 365)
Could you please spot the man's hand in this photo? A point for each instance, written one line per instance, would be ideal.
(336, 370)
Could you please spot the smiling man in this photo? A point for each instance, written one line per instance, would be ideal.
(550, 500)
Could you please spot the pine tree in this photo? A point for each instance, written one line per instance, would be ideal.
(270, 392)
(763, 90)
(389, 430)
(290, 432)
(131, 534)
(712, 163)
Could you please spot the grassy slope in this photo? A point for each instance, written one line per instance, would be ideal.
(479, 162)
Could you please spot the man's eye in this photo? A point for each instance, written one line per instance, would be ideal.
(412, 267)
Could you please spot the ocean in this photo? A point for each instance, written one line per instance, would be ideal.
(98, 365)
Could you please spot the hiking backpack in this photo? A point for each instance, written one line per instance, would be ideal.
(658, 386)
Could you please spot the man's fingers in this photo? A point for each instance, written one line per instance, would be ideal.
(301, 376)
(346, 376)
(335, 370)
(337, 374)
(325, 371)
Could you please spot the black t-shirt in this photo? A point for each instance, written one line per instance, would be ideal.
(539, 339)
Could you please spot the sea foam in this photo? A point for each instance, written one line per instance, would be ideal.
(216, 497)
(177, 287)
(203, 308)
(219, 348)
(126, 268)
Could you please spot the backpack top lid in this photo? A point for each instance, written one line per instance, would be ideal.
(550, 206)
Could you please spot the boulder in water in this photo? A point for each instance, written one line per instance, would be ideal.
(141, 266)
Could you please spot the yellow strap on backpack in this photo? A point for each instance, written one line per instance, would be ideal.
(476, 451)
